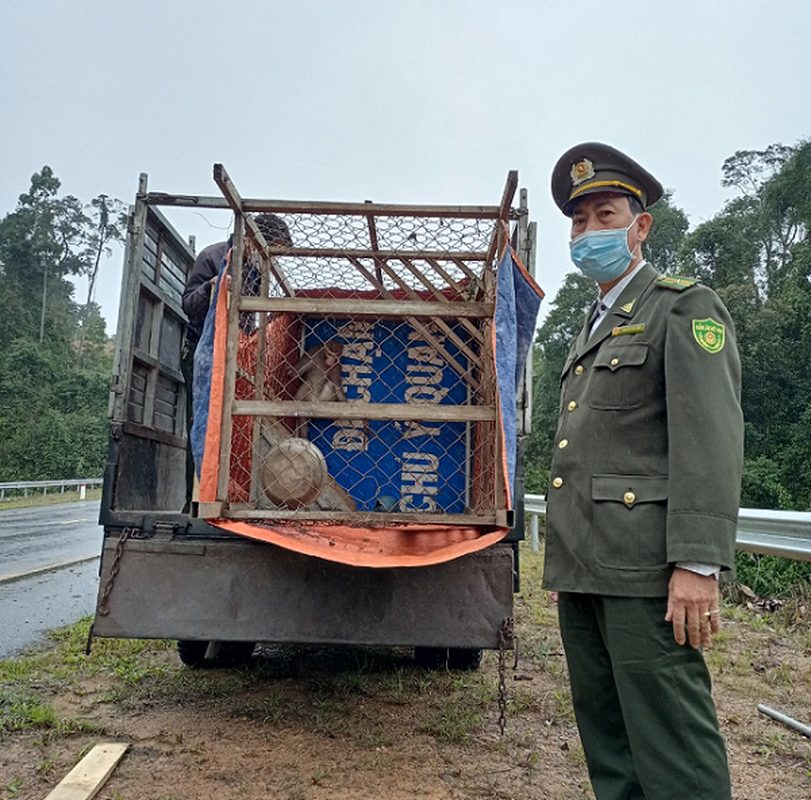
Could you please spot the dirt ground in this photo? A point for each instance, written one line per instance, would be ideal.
(333, 723)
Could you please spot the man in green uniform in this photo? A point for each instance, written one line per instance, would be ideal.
(643, 502)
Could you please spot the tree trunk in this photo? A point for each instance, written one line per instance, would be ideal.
(44, 302)
(91, 285)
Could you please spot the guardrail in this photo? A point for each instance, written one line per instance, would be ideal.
(774, 533)
(28, 486)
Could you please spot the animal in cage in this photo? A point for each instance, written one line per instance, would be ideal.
(319, 370)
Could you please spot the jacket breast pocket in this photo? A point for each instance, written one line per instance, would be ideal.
(619, 380)
(630, 518)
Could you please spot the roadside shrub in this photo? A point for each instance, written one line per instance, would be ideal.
(772, 576)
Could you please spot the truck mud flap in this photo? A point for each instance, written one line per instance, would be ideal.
(245, 591)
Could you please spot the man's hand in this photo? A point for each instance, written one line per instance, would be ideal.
(693, 603)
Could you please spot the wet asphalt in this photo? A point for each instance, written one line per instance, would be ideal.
(48, 570)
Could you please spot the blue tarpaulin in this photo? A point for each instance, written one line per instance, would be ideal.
(518, 302)
(203, 365)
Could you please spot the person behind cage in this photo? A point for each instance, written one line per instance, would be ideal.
(203, 275)
(643, 498)
(197, 297)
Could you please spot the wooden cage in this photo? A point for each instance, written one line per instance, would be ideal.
(404, 297)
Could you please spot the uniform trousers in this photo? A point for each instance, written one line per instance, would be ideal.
(643, 703)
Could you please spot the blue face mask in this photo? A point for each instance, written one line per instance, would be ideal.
(602, 255)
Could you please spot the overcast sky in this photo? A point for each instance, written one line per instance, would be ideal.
(409, 101)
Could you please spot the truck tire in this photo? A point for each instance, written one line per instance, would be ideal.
(455, 658)
(235, 654)
(230, 654)
(464, 658)
(192, 654)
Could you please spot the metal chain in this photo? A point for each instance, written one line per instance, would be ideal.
(114, 569)
(506, 633)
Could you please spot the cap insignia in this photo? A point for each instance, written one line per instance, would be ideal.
(582, 171)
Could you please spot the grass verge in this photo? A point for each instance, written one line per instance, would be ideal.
(55, 498)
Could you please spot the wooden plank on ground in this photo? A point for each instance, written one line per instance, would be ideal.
(90, 774)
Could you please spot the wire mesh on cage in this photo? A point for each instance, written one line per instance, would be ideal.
(404, 333)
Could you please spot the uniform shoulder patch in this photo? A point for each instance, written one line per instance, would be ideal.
(676, 283)
(709, 334)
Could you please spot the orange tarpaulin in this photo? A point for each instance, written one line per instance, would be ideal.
(406, 545)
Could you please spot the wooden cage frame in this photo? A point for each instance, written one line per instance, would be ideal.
(475, 315)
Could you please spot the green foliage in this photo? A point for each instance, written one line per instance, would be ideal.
(54, 355)
(70, 445)
(771, 576)
(52, 415)
(761, 486)
(664, 241)
(455, 721)
(20, 710)
(549, 355)
(724, 250)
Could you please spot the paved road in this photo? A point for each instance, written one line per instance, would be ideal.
(48, 570)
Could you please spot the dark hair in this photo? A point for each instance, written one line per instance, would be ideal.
(274, 229)
(635, 204)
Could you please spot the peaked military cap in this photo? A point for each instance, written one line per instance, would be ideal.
(594, 167)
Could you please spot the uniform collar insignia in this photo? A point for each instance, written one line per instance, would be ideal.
(628, 306)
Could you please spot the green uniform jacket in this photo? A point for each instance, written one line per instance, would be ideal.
(647, 461)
